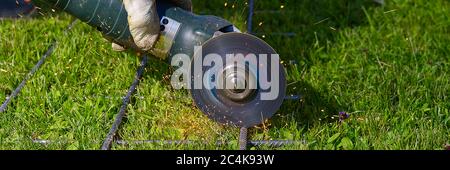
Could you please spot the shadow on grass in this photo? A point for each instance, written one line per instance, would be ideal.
(312, 106)
(311, 24)
(315, 25)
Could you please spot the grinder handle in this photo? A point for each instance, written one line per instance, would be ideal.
(108, 16)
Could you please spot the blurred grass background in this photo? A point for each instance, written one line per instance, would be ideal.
(387, 66)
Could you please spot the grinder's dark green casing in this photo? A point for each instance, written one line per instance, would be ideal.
(110, 17)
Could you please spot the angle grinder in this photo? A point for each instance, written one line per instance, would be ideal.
(181, 32)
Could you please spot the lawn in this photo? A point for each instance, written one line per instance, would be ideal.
(387, 66)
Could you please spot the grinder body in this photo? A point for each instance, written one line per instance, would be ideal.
(181, 30)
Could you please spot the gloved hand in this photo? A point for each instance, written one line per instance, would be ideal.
(143, 21)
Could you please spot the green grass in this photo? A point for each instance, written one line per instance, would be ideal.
(386, 65)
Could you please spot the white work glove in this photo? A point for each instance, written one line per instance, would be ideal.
(143, 21)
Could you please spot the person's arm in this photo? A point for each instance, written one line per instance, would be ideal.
(143, 21)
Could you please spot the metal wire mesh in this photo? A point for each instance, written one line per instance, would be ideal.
(110, 138)
(35, 68)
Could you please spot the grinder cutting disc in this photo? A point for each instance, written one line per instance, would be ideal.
(243, 104)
